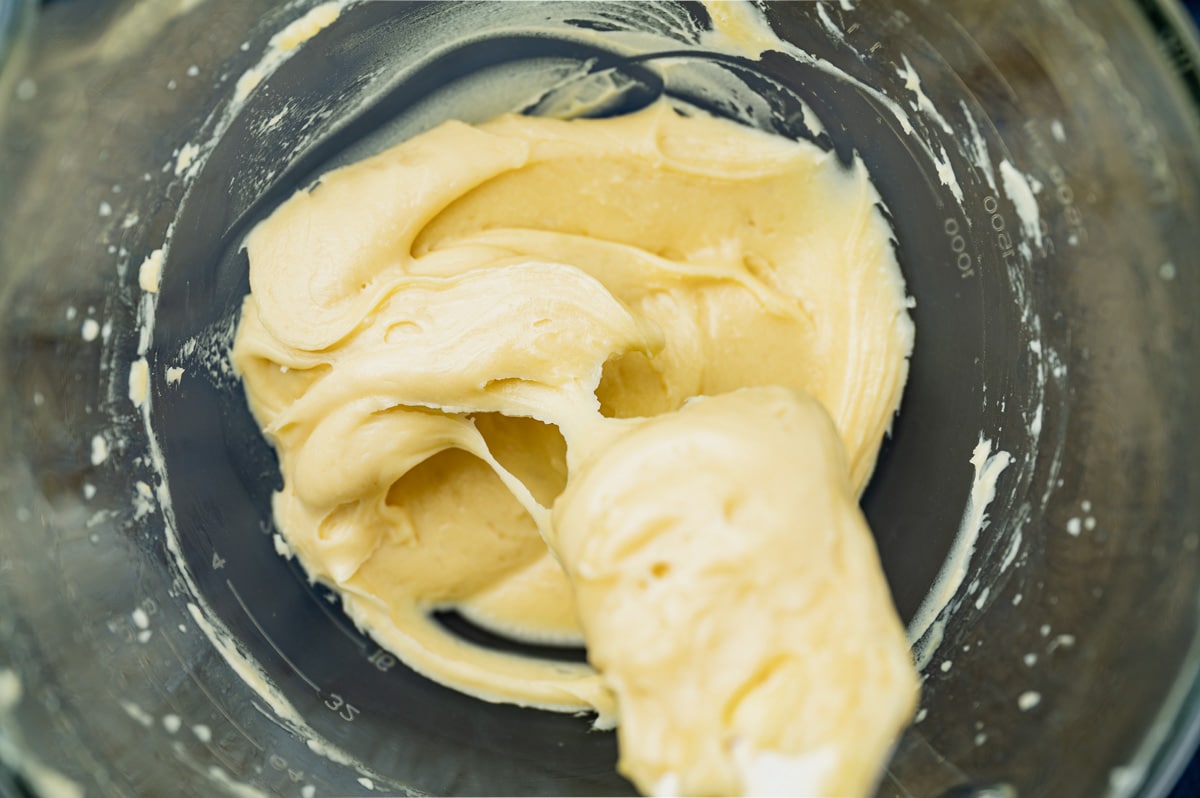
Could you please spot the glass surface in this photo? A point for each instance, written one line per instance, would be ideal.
(15, 16)
(1084, 583)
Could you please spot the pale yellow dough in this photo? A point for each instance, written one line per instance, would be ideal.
(442, 339)
(734, 608)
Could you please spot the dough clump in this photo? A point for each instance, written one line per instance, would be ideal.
(615, 381)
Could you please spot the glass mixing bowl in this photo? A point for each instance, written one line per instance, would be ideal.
(1042, 472)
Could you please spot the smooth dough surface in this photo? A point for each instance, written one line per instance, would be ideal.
(443, 338)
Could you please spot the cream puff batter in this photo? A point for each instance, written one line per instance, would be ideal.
(735, 609)
(478, 356)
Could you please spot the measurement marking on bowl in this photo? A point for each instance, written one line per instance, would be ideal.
(337, 622)
(270, 716)
(958, 245)
(237, 597)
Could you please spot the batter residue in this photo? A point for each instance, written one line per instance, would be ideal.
(619, 380)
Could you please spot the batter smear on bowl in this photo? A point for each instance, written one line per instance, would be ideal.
(607, 381)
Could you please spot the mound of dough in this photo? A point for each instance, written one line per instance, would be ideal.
(619, 380)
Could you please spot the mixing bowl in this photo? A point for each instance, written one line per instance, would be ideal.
(1036, 507)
